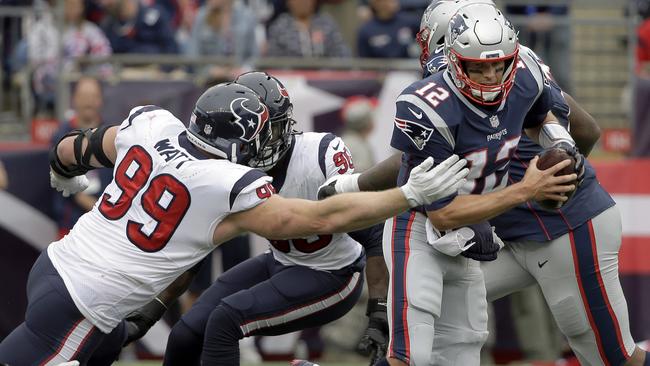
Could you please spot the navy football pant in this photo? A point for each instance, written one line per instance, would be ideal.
(54, 331)
(260, 297)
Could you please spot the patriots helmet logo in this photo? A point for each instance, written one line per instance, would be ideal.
(416, 132)
(251, 122)
(457, 26)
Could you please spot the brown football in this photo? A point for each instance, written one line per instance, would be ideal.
(547, 159)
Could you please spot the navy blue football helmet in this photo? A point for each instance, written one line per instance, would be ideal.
(276, 98)
(230, 121)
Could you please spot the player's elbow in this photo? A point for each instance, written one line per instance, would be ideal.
(65, 151)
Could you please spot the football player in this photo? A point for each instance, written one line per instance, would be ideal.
(177, 193)
(597, 334)
(478, 109)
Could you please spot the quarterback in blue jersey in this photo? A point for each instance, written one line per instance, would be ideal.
(573, 238)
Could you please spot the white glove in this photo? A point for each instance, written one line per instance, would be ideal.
(344, 183)
(68, 186)
(426, 185)
(453, 243)
(69, 363)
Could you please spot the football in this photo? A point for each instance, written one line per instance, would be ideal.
(547, 159)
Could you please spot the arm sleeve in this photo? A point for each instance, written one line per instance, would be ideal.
(251, 189)
(334, 157)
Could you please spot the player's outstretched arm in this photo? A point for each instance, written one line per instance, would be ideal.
(281, 218)
(584, 128)
(381, 176)
(536, 185)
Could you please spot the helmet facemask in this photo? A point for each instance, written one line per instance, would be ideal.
(277, 145)
(484, 94)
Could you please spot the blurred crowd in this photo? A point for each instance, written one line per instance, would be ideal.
(240, 29)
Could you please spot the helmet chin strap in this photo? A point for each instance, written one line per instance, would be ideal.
(486, 96)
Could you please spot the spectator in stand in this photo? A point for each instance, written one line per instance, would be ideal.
(40, 48)
(224, 28)
(4, 179)
(389, 33)
(305, 32)
(133, 27)
(547, 31)
(87, 103)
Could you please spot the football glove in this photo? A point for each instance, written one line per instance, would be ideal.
(374, 341)
(339, 184)
(140, 321)
(580, 159)
(487, 243)
(426, 185)
(68, 186)
(453, 242)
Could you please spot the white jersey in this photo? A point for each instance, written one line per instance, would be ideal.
(154, 221)
(315, 157)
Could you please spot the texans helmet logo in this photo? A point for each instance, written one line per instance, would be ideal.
(283, 91)
(250, 121)
(418, 133)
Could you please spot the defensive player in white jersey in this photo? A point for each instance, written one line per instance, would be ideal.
(176, 194)
(299, 283)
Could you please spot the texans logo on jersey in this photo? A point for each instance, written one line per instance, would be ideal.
(250, 121)
(418, 133)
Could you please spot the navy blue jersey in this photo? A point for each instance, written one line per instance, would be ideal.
(434, 118)
(529, 221)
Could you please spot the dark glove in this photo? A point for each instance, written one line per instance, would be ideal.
(327, 190)
(487, 243)
(572, 150)
(140, 321)
(374, 341)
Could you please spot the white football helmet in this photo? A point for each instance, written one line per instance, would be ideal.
(434, 23)
(480, 33)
